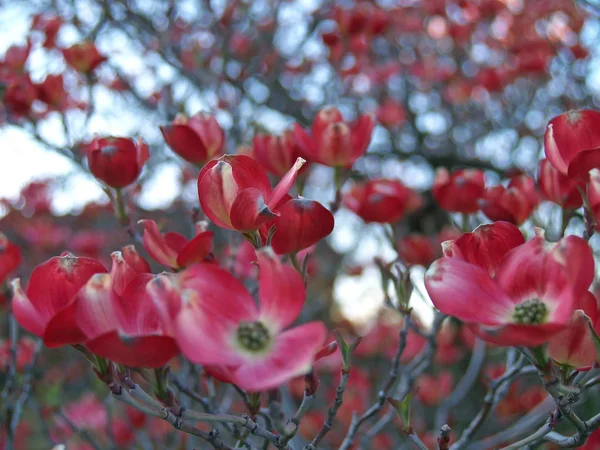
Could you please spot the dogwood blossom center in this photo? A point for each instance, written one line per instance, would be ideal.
(253, 336)
(530, 312)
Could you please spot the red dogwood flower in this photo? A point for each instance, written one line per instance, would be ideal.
(593, 193)
(175, 250)
(235, 192)
(117, 161)
(575, 345)
(332, 141)
(276, 153)
(557, 187)
(117, 319)
(83, 56)
(10, 257)
(572, 143)
(381, 201)
(459, 191)
(217, 323)
(52, 287)
(301, 223)
(531, 297)
(486, 245)
(514, 203)
(197, 139)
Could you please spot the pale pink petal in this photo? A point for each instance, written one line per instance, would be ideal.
(293, 354)
(467, 292)
(281, 290)
(285, 184)
(25, 313)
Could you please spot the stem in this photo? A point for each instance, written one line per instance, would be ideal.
(120, 208)
(328, 425)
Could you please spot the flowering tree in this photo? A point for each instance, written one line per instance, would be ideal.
(457, 136)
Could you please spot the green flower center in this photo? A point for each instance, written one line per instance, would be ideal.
(253, 336)
(530, 312)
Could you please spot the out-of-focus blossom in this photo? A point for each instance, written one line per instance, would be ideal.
(83, 57)
(334, 142)
(10, 257)
(117, 161)
(380, 200)
(197, 139)
(557, 187)
(514, 203)
(175, 250)
(459, 191)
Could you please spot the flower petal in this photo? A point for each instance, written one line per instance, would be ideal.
(285, 184)
(293, 354)
(570, 133)
(559, 274)
(281, 290)
(24, 311)
(512, 335)
(196, 250)
(156, 245)
(582, 163)
(249, 211)
(486, 245)
(136, 351)
(467, 292)
(301, 224)
(214, 303)
(575, 345)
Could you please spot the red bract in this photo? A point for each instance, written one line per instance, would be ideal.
(572, 143)
(575, 345)
(416, 249)
(118, 319)
(531, 297)
(10, 257)
(391, 114)
(175, 250)
(235, 192)
(301, 224)
(459, 191)
(512, 204)
(83, 57)
(486, 245)
(593, 193)
(276, 153)
(134, 260)
(16, 57)
(52, 287)
(382, 201)
(19, 94)
(218, 324)
(52, 92)
(197, 139)
(332, 141)
(117, 161)
(557, 187)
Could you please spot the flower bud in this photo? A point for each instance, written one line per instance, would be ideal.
(83, 57)
(117, 161)
(197, 139)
